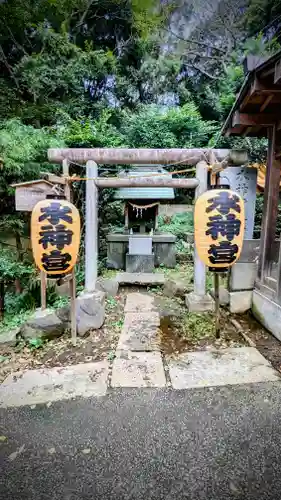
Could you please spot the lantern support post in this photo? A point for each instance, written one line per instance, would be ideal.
(91, 232)
(199, 300)
(43, 287)
(72, 284)
(217, 304)
(199, 266)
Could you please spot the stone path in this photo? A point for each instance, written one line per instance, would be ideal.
(138, 363)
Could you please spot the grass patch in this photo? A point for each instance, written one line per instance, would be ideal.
(182, 272)
(109, 273)
(197, 326)
(11, 321)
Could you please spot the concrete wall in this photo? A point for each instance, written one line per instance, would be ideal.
(171, 210)
(267, 312)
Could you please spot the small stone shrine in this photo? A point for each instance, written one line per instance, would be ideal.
(140, 246)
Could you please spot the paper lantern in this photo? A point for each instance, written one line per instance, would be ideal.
(219, 227)
(55, 236)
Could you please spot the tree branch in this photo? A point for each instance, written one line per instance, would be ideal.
(205, 56)
(196, 42)
(201, 70)
(4, 60)
(17, 44)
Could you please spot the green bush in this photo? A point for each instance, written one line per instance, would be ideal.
(179, 225)
(258, 217)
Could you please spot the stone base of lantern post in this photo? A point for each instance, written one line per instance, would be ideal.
(199, 303)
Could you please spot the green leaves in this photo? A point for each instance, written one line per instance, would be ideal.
(159, 127)
(11, 269)
(34, 344)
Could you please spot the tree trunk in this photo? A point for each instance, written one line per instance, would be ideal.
(2, 300)
(20, 257)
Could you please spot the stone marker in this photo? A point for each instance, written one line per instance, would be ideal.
(45, 385)
(243, 180)
(43, 324)
(240, 365)
(138, 369)
(90, 311)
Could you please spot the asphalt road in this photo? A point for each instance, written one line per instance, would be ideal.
(218, 444)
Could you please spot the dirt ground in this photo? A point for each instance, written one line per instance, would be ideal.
(179, 332)
(99, 344)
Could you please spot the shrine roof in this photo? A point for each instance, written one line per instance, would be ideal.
(151, 193)
(258, 104)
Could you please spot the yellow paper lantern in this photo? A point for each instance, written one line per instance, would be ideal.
(55, 236)
(219, 221)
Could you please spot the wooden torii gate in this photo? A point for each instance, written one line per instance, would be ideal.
(202, 158)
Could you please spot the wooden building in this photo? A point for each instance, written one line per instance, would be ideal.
(257, 112)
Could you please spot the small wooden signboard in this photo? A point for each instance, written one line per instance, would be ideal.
(28, 194)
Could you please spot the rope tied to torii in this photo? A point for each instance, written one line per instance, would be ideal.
(215, 166)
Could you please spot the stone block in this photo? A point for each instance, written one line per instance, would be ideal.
(90, 311)
(108, 286)
(199, 303)
(143, 279)
(138, 369)
(140, 332)
(243, 276)
(189, 238)
(176, 288)
(63, 290)
(165, 254)
(140, 245)
(10, 338)
(139, 302)
(64, 314)
(223, 295)
(139, 263)
(33, 387)
(116, 254)
(43, 324)
(239, 365)
(240, 302)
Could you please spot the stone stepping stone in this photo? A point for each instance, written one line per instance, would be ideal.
(139, 302)
(241, 365)
(138, 369)
(140, 332)
(32, 387)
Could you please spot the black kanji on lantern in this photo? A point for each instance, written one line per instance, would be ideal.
(224, 202)
(55, 261)
(224, 253)
(57, 236)
(55, 212)
(228, 227)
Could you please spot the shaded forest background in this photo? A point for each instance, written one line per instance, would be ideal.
(109, 73)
